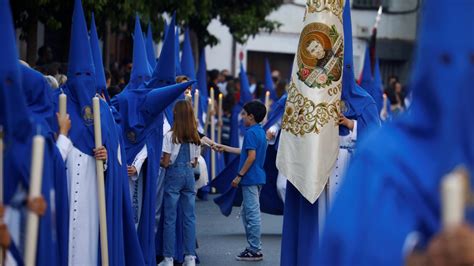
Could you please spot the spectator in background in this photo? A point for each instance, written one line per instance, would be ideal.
(281, 88)
(113, 90)
(45, 56)
(108, 78)
(236, 89)
(252, 83)
(391, 81)
(213, 80)
(276, 77)
(222, 81)
(396, 96)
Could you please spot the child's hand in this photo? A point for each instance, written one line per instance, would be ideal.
(100, 153)
(218, 147)
(236, 181)
(64, 124)
(37, 205)
(194, 163)
(131, 170)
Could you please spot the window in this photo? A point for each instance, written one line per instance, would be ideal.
(366, 4)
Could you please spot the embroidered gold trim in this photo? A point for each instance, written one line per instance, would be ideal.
(303, 116)
(334, 6)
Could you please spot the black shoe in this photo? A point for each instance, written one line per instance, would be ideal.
(248, 255)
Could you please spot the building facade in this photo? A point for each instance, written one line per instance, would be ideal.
(395, 39)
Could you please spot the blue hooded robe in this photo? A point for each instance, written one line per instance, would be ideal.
(80, 89)
(392, 192)
(301, 221)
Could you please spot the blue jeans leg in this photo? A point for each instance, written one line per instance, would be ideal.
(251, 216)
(188, 201)
(170, 201)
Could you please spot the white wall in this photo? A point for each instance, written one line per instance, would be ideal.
(284, 40)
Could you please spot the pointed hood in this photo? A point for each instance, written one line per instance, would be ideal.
(140, 68)
(366, 78)
(150, 47)
(245, 95)
(269, 81)
(354, 97)
(187, 59)
(165, 70)
(14, 114)
(178, 48)
(97, 56)
(201, 76)
(442, 83)
(81, 84)
(157, 100)
(80, 54)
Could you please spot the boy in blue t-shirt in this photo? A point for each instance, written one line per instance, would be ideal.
(251, 176)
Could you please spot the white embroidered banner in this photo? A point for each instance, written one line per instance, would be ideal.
(309, 142)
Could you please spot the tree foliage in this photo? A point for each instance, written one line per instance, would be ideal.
(245, 18)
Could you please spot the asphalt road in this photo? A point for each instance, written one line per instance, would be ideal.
(221, 238)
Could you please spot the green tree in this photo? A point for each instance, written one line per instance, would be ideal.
(244, 18)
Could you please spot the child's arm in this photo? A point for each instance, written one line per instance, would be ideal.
(251, 156)
(225, 148)
(165, 160)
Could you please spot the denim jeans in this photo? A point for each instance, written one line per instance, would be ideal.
(251, 216)
(179, 189)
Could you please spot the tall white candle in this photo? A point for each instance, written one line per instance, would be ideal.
(36, 175)
(219, 118)
(213, 138)
(211, 94)
(453, 199)
(267, 105)
(267, 101)
(62, 104)
(196, 103)
(100, 183)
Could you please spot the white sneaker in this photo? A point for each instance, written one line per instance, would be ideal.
(189, 260)
(167, 261)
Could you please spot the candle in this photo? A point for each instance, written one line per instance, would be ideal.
(219, 111)
(211, 94)
(267, 100)
(100, 183)
(213, 139)
(219, 115)
(62, 104)
(36, 175)
(196, 103)
(453, 199)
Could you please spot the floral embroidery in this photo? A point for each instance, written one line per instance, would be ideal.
(303, 116)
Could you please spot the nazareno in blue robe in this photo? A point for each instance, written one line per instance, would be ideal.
(393, 185)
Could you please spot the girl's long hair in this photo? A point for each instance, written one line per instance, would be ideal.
(185, 125)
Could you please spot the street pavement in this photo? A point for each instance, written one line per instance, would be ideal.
(221, 238)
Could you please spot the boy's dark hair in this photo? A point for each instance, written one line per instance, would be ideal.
(257, 109)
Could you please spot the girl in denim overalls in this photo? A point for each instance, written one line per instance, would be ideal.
(181, 148)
